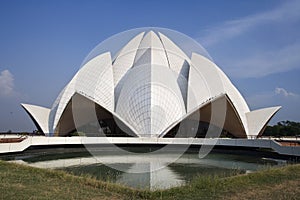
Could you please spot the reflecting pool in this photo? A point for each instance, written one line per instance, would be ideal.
(122, 168)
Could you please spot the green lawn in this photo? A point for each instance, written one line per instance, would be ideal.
(23, 182)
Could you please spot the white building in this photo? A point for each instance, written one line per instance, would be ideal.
(150, 88)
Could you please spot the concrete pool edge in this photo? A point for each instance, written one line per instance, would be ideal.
(32, 141)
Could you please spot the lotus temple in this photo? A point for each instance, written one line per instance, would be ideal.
(152, 85)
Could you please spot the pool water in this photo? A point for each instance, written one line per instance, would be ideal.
(135, 170)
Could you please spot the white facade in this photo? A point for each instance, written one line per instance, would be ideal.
(150, 85)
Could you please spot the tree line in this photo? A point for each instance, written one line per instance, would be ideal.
(283, 128)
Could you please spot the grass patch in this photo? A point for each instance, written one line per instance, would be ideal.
(23, 182)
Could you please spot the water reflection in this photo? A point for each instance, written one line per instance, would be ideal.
(188, 166)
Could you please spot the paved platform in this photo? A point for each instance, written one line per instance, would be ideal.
(48, 141)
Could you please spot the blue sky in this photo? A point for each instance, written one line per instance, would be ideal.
(42, 44)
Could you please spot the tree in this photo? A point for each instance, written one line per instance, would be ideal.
(283, 128)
